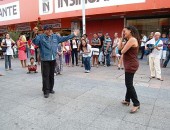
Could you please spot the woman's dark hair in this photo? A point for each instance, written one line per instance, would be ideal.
(7, 34)
(134, 32)
(81, 45)
(85, 35)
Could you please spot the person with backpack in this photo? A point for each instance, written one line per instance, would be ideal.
(6, 45)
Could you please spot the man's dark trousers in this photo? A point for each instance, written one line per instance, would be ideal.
(47, 70)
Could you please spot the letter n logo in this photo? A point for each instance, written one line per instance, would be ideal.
(45, 7)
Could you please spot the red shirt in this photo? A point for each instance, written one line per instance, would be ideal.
(23, 48)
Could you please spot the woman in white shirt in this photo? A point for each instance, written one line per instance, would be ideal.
(74, 50)
(7, 42)
(87, 52)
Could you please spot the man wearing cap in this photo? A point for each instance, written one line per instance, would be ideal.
(48, 43)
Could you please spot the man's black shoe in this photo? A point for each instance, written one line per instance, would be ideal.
(52, 92)
(46, 95)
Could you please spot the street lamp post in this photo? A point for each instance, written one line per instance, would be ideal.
(83, 16)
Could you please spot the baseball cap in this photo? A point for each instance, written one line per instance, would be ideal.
(46, 27)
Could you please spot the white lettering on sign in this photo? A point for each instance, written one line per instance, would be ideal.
(71, 5)
(10, 11)
(45, 7)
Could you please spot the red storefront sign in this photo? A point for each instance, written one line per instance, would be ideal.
(30, 10)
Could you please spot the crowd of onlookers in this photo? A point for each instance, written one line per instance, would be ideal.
(101, 49)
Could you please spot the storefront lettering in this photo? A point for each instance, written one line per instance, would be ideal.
(10, 11)
(67, 3)
(46, 6)
(72, 5)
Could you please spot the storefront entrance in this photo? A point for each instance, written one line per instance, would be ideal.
(151, 25)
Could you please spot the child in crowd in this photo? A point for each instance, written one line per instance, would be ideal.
(119, 59)
(32, 67)
(15, 49)
(59, 60)
(87, 52)
(67, 52)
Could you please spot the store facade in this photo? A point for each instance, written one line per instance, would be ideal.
(107, 16)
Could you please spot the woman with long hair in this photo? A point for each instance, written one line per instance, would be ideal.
(131, 64)
(85, 48)
(22, 50)
(8, 53)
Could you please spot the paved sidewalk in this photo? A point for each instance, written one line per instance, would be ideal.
(82, 101)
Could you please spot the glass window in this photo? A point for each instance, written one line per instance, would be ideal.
(147, 26)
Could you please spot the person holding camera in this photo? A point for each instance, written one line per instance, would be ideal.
(154, 56)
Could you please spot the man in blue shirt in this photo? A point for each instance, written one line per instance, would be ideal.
(48, 43)
(164, 50)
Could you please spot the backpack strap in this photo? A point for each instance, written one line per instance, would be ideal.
(157, 42)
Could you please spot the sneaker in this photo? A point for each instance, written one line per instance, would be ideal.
(88, 71)
(52, 91)
(46, 95)
(85, 71)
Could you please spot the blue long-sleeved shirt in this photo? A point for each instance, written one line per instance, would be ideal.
(48, 45)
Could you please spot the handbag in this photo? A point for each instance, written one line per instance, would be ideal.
(150, 48)
(4, 48)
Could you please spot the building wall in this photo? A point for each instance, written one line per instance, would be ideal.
(29, 10)
(105, 26)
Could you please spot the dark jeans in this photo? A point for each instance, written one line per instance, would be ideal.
(8, 61)
(167, 59)
(36, 55)
(74, 53)
(130, 93)
(142, 52)
(108, 59)
(47, 68)
(87, 65)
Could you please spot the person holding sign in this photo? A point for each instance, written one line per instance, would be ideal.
(48, 44)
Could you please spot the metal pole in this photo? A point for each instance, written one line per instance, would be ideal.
(83, 16)
(125, 21)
